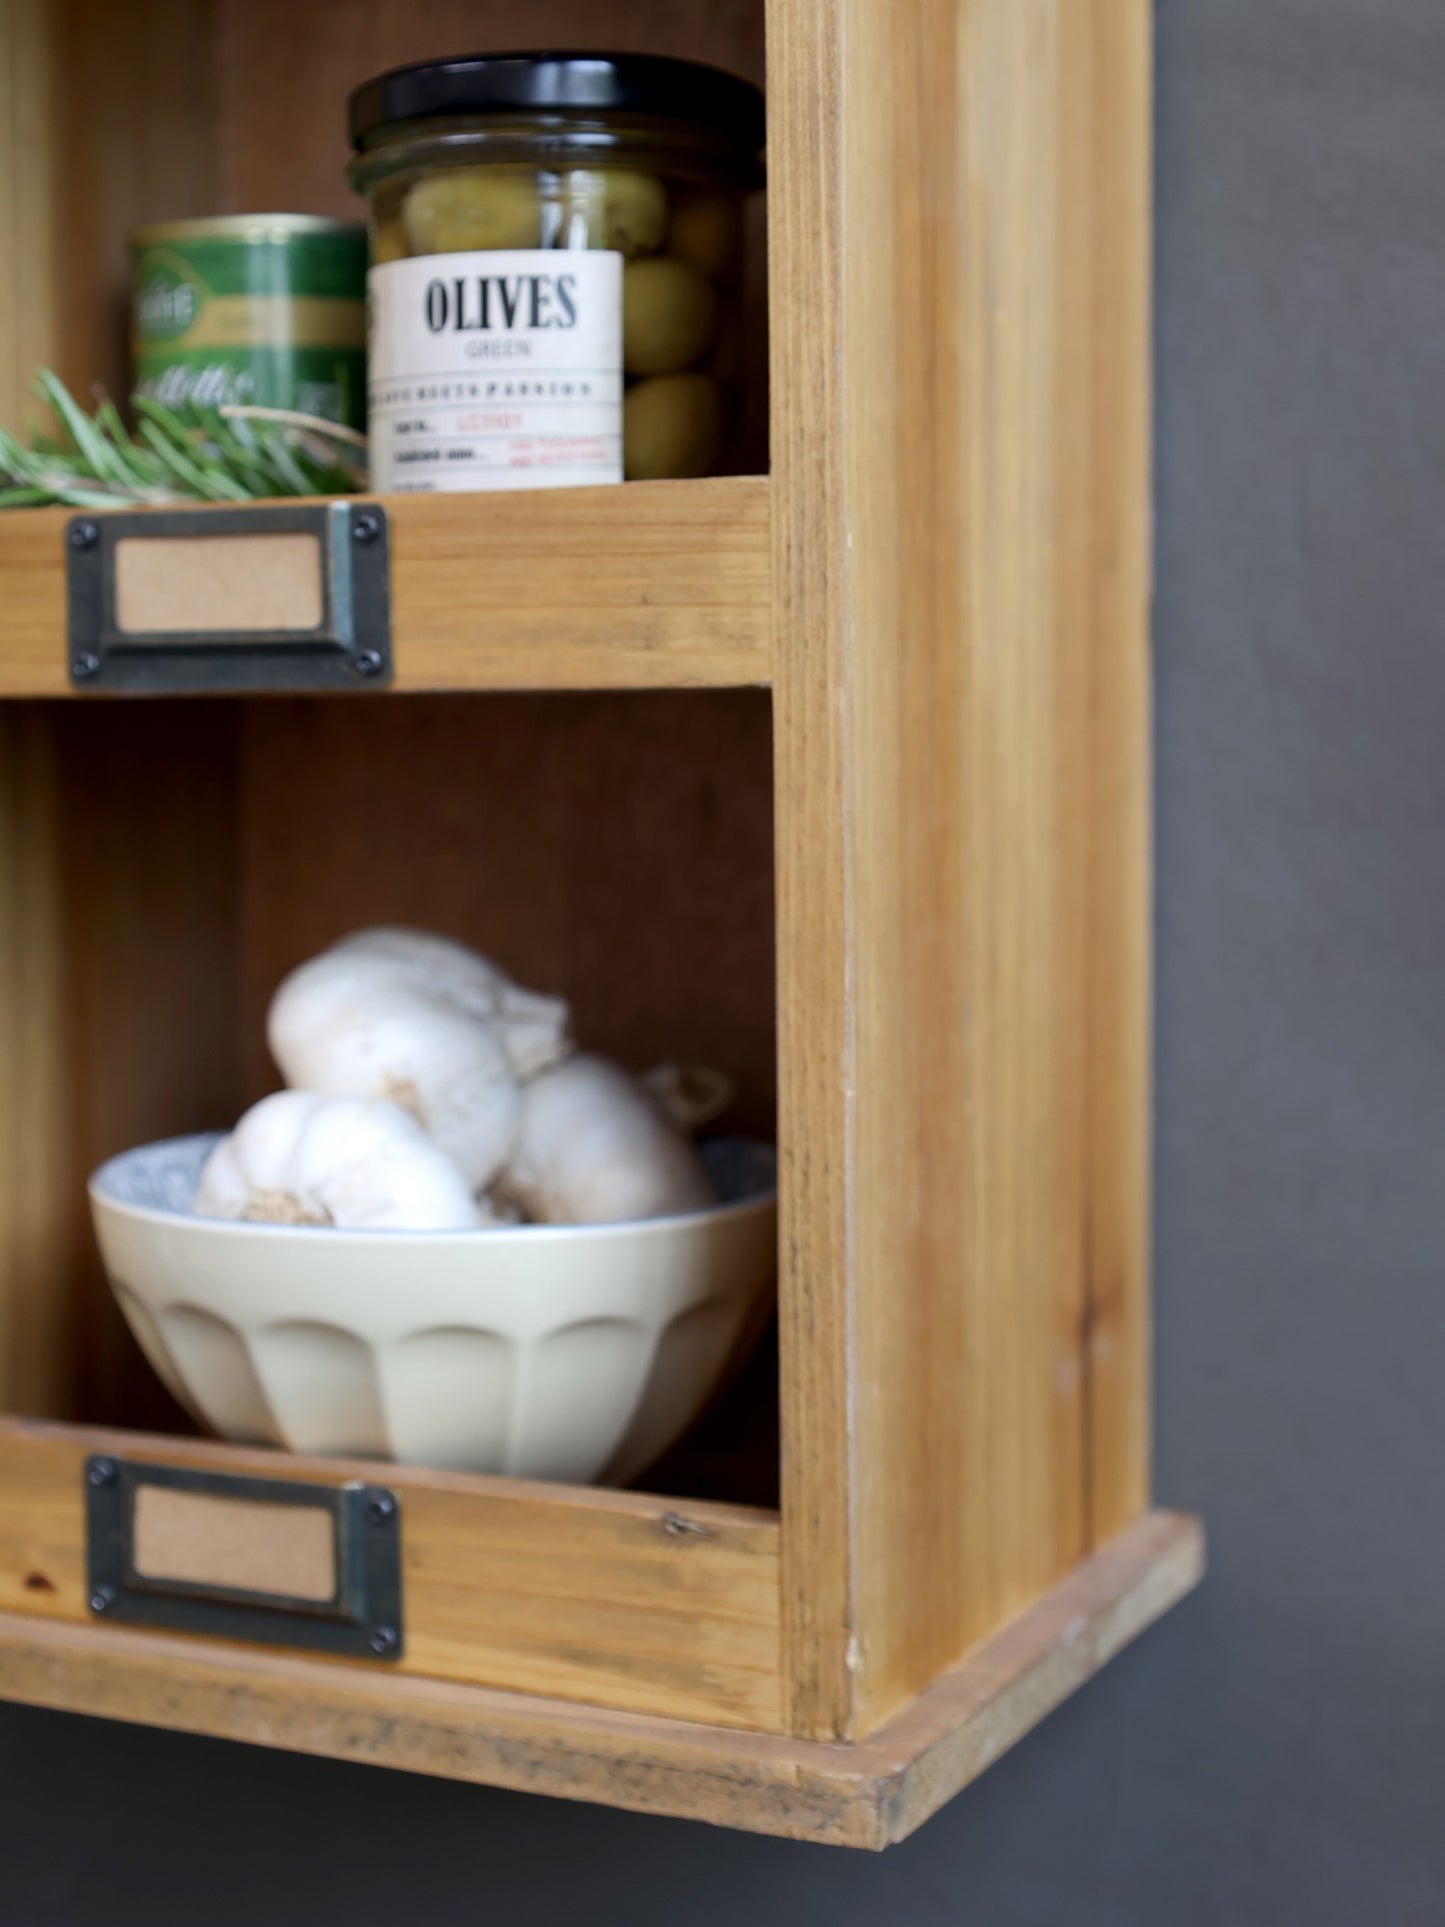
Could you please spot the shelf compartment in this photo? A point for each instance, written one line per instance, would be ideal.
(656, 585)
(865, 1795)
(613, 1598)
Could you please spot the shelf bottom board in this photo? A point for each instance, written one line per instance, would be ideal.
(866, 1795)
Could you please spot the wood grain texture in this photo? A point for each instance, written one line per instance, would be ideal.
(137, 118)
(30, 287)
(818, 1283)
(950, 1028)
(37, 1332)
(149, 822)
(567, 1593)
(1119, 93)
(118, 1014)
(107, 121)
(865, 1795)
(33, 654)
(278, 61)
(656, 585)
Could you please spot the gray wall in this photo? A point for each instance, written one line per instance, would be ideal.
(1274, 1753)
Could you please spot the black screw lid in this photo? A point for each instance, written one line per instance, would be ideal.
(561, 83)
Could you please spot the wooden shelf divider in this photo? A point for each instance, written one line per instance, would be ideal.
(575, 1593)
(660, 585)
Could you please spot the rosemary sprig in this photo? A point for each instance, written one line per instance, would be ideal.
(187, 454)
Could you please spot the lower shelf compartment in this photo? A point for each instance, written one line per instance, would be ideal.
(868, 1795)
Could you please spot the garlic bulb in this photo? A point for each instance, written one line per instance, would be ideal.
(423, 1022)
(299, 1158)
(533, 1027)
(592, 1147)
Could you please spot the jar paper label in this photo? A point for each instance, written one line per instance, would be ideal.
(496, 370)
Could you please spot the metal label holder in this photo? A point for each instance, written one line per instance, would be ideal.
(350, 648)
(361, 1619)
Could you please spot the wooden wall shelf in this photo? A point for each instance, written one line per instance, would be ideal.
(838, 777)
(664, 585)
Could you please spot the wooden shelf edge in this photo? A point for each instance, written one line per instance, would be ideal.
(652, 585)
(588, 1596)
(868, 1795)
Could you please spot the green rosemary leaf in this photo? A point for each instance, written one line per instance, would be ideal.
(192, 453)
(89, 441)
(109, 419)
(212, 485)
(139, 462)
(292, 475)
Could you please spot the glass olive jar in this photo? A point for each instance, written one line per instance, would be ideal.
(557, 254)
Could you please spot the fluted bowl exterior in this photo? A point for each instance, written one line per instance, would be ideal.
(568, 1352)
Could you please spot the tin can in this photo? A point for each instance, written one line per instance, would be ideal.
(268, 309)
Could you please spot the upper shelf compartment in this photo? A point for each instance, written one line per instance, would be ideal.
(119, 114)
(658, 585)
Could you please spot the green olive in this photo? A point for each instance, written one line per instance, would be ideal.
(388, 243)
(672, 426)
(615, 208)
(459, 209)
(668, 314)
(707, 231)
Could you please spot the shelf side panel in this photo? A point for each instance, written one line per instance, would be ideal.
(959, 1005)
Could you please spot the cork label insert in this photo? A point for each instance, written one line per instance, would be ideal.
(234, 1545)
(189, 585)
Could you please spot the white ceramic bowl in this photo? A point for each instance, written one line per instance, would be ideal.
(573, 1352)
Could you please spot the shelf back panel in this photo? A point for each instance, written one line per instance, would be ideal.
(615, 850)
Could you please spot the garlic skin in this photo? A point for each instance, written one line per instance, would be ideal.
(592, 1147)
(425, 1023)
(353, 1162)
(534, 1028)
(691, 1094)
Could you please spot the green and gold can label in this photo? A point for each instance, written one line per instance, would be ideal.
(262, 309)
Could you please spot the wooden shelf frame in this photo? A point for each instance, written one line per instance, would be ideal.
(944, 581)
